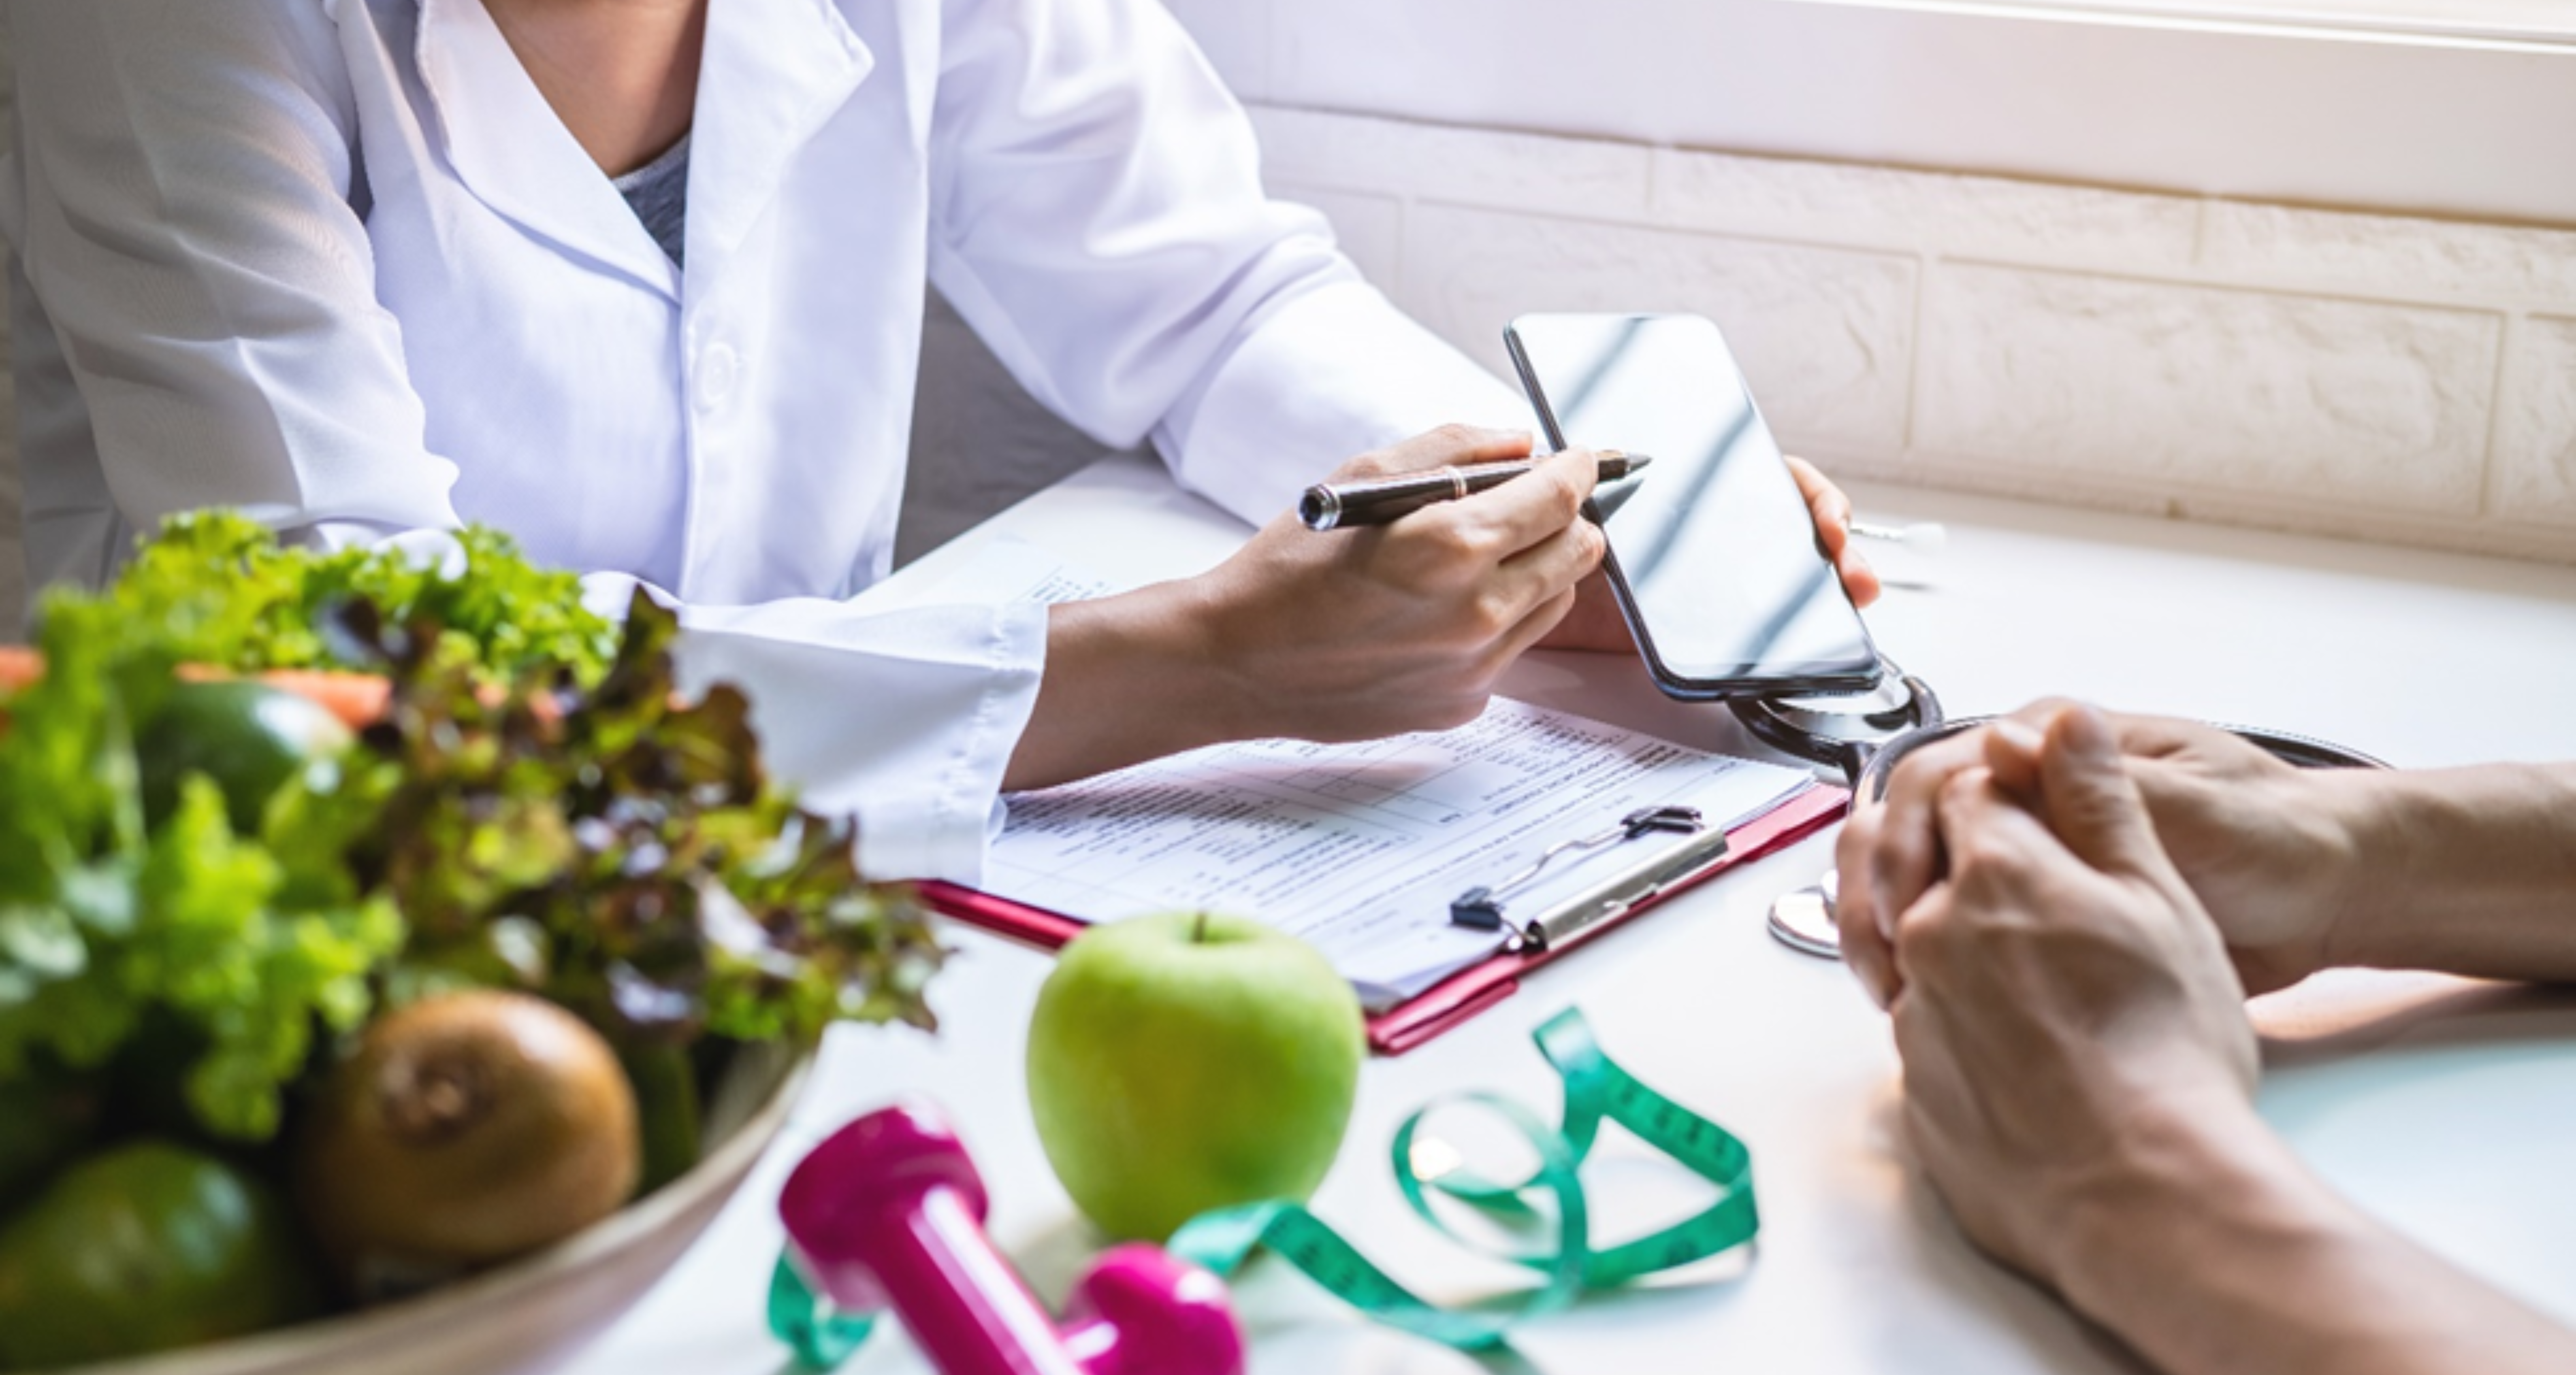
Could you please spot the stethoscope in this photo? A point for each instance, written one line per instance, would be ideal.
(1865, 736)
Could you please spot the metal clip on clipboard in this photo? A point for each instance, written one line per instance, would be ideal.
(1482, 907)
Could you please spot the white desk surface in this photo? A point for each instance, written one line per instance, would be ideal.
(2447, 1108)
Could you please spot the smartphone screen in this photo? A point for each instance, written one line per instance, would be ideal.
(1711, 545)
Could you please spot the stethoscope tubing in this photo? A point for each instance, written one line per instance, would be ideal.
(1868, 763)
(1878, 763)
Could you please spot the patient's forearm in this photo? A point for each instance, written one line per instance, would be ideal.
(2468, 871)
(2220, 1253)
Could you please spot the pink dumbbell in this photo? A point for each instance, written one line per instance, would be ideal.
(889, 1213)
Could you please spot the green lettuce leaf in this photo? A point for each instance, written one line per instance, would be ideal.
(537, 810)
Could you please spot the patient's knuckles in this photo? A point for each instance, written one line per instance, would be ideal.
(1902, 858)
(1917, 775)
(1925, 938)
(1998, 877)
(1969, 816)
(1991, 868)
(1944, 943)
(1900, 864)
(2042, 710)
(1859, 840)
(1962, 790)
(1968, 948)
(1920, 776)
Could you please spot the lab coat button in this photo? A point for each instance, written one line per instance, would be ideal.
(717, 371)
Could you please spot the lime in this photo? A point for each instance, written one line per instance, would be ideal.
(248, 737)
(142, 1248)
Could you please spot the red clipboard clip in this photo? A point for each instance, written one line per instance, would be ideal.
(1462, 995)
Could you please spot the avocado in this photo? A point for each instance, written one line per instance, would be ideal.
(248, 737)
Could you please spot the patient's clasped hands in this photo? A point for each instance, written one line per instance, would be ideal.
(2063, 912)
(2268, 849)
(2056, 986)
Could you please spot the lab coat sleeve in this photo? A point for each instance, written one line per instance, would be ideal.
(1098, 217)
(183, 210)
(903, 719)
(182, 205)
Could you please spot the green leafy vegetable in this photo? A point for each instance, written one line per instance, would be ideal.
(214, 587)
(620, 852)
(101, 923)
(537, 810)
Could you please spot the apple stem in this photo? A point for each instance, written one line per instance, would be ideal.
(1198, 930)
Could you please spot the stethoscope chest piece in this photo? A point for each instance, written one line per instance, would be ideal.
(1803, 920)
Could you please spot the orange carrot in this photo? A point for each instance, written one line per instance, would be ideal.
(358, 699)
(19, 667)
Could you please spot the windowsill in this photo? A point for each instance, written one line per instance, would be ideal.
(2468, 112)
(2543, 22)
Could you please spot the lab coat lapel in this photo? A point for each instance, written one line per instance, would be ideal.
(513, 152)
(773, 72)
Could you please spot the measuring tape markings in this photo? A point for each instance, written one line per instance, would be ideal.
(1596, 1089)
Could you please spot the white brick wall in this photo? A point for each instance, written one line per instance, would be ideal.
(2368, 375)
(2535, 472)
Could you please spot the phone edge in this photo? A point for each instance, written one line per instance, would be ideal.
(1670, 683)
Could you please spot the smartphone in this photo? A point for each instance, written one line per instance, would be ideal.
(1713, 554)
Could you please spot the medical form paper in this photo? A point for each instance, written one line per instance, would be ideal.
(1356, 848)
(1360, 848)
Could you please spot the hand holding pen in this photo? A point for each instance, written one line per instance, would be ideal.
(1402, 628)
(1381, 501)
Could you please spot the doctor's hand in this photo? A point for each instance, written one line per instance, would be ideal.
(1347, 635)
(1594, 623)
(1360, 633)
(2267, 848)
(2067, 1012)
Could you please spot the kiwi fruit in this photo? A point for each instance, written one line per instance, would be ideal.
(465, 1129)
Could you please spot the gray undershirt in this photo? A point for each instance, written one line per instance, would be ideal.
(659, 193)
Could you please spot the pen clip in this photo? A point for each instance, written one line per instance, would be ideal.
(1481, 907)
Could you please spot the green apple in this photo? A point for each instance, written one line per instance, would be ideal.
(1190, 1061)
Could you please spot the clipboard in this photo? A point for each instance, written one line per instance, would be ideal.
(1471, 990)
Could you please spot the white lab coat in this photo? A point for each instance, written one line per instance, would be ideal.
(337, 263)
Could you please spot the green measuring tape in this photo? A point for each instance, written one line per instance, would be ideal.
(1596, 1090)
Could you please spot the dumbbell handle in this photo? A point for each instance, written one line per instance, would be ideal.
(889, 1213)
(933, 1265)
